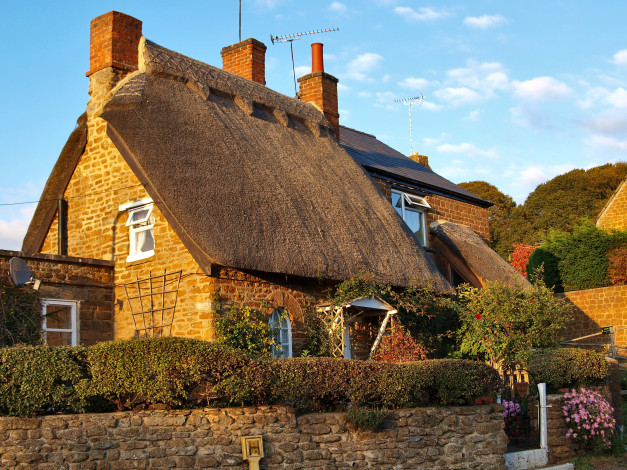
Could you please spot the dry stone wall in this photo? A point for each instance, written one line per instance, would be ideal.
(420, 438)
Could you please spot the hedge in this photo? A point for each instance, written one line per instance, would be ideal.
(178, 372)
(567, 368)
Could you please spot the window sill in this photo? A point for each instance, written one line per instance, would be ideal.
(140, 256)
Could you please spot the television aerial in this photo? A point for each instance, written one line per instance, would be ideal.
(295, 37)
(20, 274)
(409, 102)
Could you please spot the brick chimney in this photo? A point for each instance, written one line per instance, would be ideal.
(422, 159)
(246, 59)
(320, 89)
(114, 41)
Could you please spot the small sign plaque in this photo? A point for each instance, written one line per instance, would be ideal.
(252, 450)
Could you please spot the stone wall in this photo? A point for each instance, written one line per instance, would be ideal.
(598, 308)
(420, 438)
(88, 281)
(614, 214)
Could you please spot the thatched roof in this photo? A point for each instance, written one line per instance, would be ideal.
(55, 187)
(483, 261)
(383, 161)
(252, 179)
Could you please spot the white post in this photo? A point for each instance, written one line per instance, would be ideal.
(544, 433)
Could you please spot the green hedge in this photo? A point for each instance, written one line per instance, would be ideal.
(184, 372)
(567, 368)
(40, 379)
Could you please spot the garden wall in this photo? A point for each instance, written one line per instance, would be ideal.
(419, 438)
(598, 308)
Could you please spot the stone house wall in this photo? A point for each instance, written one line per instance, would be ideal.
(614, 215)
(89, 281)
(434, 438)
(598, 308)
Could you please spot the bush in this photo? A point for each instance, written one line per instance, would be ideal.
(618, 265)
(567, 368)
(399, 346)
(173, 371)
(40, 379)
(365, 419)
(247, 329)
(20, 315)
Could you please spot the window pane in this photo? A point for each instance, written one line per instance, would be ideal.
(59, 317)
(144, 241)
(57, 338)
(139, 216)
(414, 221)
(397, 202)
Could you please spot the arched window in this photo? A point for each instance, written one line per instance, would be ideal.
(280, 321)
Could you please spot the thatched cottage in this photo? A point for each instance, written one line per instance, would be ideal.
(205, 187)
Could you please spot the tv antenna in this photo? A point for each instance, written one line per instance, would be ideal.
(295, 37)
(409, 102)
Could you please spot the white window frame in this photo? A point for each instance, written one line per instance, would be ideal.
(73, 319)
(279, 315)
(417, 204)
(135, 226)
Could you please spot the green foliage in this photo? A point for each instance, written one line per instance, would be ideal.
(39, 379)
(500, 214)
(20, 315)
(567, 368)
(173, 371)
(365, 419)
(247, 329)
(578, 259)
(502, 323)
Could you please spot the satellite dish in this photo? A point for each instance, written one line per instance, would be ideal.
(18, 269)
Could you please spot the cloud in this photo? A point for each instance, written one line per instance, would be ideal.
(13, 226)
(458, 96)
(364, 94)
(301, 70)
(474, 115)
(342, 87)
(358, 68)
(423, 14)
(618, 98)
(385, 78)
(485, 21)
(338, 7)
(530, 117)
(468, 149)
(620, 58)
(414, 83)
(611, 122)
(484, 76)
(606, 144)
(541, 89)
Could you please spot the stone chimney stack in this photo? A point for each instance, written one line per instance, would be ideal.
(422, 159)
(246, 59)
(320, 89)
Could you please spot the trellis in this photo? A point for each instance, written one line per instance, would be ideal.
(152, 301)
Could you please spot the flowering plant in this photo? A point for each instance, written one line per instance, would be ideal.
(513, 418)
(589, 418)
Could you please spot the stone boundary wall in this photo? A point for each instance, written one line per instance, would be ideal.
(89, 281)
(419, 438)
(597, 308)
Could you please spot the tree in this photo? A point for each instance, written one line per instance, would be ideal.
(500, 214)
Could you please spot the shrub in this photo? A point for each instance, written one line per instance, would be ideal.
(520, 257)
(567, 367)
(589, 418)
(247, 329)
(173, 371)
(618, 265)
(399, 346)
(502, 323)
(39, 379)
(365, 419)
(20, 315)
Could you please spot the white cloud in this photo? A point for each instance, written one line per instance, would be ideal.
(458, 96)
(620, 58)
(342, 87)
(541, 89)
(358, 68)
(606, 144)
(474, 115)
(531, 118)
(431, 142)
(338, 7)
(468, 149)
(610, 122)
(385, 78)
(485, 21)
(618, 98)
(301, 70)
(485, 76)
(430, 106)
(385, 99)
(423, 14)
(364, 94)
(345, 115)
(414, 83)
(13, 226)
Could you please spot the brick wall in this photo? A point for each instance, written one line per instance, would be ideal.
(435, 438)
(320, 89)
(246, 59)
(598, 308)
(614, 215)
(65, 278)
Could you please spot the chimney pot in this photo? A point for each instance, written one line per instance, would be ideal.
(317, 58)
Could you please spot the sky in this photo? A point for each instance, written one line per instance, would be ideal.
(515, 93)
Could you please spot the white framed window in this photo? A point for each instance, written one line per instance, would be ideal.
(283, 336)
(60, 322)
(141, 224)
(412, 208)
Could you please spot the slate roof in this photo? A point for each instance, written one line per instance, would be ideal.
(382, 160)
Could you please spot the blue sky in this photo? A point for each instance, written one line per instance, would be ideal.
(514, 92)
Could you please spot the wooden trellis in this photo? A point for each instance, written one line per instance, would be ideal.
(152, 301)
(334, 326)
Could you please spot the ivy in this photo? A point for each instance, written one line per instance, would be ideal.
(20, 315)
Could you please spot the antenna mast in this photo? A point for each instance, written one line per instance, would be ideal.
(295, 37)
(409, 102)
(240, 20)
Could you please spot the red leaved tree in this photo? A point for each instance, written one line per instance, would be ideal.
(520, 257)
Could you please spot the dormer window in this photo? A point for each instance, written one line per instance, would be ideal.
(140, 223)
(412, 208)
